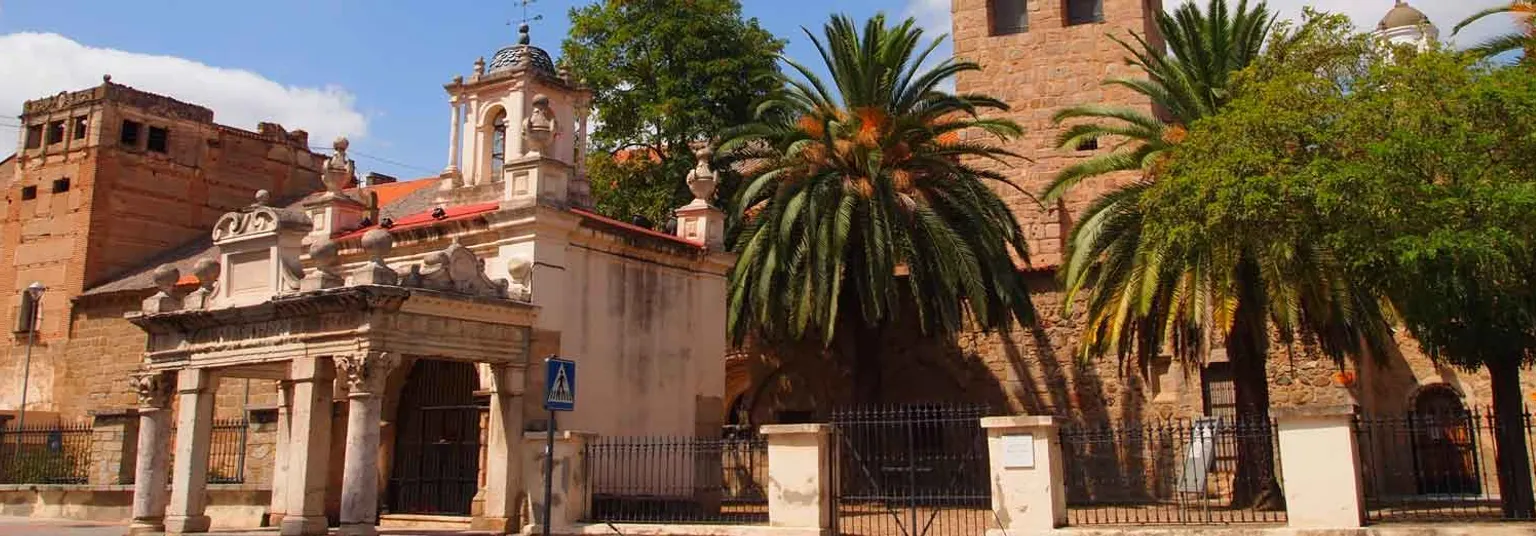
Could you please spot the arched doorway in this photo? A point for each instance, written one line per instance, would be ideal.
(1444, 443)
(436, 466)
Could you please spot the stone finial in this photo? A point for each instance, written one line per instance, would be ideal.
(263, 199)
(522, 34)
(479, 67)
(377, 242)
(324, 254)
(365, 372)
(163, 301)
(339, 170)
(207, 272)
(540, 127)
(152, 388)
(703, 180)
(520, 279)
(106, 78)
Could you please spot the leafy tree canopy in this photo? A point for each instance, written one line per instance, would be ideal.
(665, 74)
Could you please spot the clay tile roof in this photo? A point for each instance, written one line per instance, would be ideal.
(632, 229)
(424, 218)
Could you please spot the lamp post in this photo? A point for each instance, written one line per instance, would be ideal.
(35, 295)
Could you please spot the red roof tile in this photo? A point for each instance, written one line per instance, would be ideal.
(634, 228)
(423, 219)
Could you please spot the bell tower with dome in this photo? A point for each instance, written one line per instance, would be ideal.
(518, 131)
(1406, 25)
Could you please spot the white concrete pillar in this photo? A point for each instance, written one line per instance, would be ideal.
(364, 374)
(503, 454)
(454, 124)
(279, 503)
(150, 473)
(799, 475)
(309, 446)
(1320, 466)
(1028, 485)
(572, 497)
(194, 435)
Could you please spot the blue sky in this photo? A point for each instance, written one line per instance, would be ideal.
(372, 70)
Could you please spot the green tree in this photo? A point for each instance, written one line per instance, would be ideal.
(855, 183)
(666, 75)
(1406, 176)
(1522, 39)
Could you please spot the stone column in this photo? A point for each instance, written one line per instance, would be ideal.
(149, 472)
(455, 123)
(1028, 485)
(799, 475)
(279, 503)
(1320, 465)
(364, 374)
(503, 459)
(308, 446)
(194, 435)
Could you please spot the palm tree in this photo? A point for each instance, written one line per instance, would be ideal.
(1144, 294)
(1524, 39)
(851, 184)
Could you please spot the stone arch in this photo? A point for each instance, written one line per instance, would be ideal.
(494, 128)
(1434, 390)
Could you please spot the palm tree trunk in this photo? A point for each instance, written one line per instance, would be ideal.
(1513, 461)
(1254, 484)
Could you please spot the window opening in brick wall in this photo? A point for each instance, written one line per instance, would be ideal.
(55, 132)
(130, 133)
(1084, 11)
(34, 136)
(159, 139)
(79, 127)
(1091, 144)
(61, 185)
(1009, 16)
(28, 193)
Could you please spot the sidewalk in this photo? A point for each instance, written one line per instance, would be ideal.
(26, 526)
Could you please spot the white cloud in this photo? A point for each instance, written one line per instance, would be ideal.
(37, 65)
(933, 15)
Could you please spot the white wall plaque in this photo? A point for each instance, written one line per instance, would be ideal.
(1019, 451)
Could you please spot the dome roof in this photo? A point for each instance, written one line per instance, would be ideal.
(1402, 15)
(512, 57)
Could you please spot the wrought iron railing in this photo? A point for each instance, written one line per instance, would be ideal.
(226, 452)
(1442, 467)
(911, 470)
(679, 479)
(55, 454)
(1209, 471)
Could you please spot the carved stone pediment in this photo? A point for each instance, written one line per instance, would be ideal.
(259, 219)
(455, 269)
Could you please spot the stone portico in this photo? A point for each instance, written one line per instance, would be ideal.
(398, 343)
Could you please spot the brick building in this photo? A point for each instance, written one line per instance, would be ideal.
(103, 181)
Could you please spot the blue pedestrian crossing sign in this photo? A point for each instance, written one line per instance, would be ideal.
(559, 384)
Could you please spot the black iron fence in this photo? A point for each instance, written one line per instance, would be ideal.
(226, 453)
(911, 470)
(1208, 471)
(55, 454)
(1432, 467)
(679, 479)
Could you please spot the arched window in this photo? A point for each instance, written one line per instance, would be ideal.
(1444, 443)
(498, 143)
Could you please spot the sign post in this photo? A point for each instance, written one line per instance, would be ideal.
(559, 395)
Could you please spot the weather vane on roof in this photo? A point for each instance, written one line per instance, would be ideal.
(522, 28)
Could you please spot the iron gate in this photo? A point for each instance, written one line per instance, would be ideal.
(913, 470)
(437, 441)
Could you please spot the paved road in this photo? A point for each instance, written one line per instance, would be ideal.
(17, 526)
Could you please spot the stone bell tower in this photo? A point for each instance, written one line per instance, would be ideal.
(518, 132)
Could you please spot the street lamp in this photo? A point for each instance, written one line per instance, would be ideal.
(35, 297)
